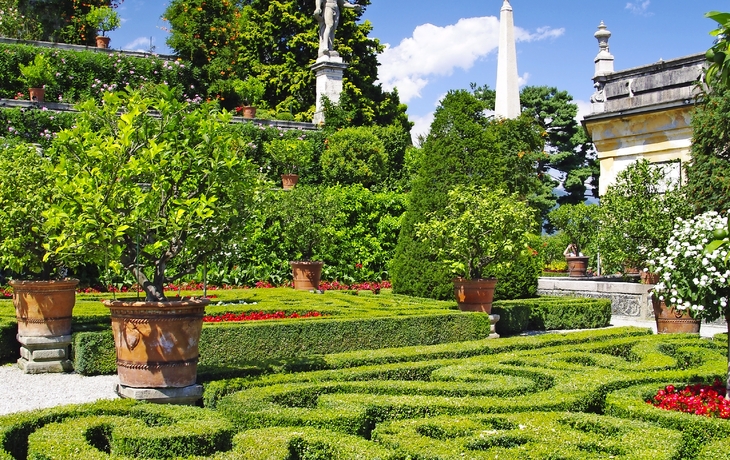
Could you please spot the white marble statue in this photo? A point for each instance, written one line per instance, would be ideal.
(327, 13)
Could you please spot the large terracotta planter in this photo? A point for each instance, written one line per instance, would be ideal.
(577, 266)
(670, 321)
(37, 94)
(475, 295)
(649, 278)
(102, 41)
(288, 181)
(44, 308)
(306, 275)
(157, 342)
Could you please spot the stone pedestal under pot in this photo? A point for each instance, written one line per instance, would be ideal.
(157, 349)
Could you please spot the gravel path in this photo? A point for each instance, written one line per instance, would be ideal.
(22, 392)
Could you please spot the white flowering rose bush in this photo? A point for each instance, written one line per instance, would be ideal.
(692, 278)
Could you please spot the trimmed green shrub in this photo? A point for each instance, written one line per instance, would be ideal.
(146, 431)
(9, 346)
(354, 156)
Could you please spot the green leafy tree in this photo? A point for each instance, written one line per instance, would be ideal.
(354, 156)
(276, 41)
(464, 147)
(570, 153)
(719, 55)
(64, 20)
(14, 24)
(152, 194)
(579, 222)
(708, 174)
(637, 216)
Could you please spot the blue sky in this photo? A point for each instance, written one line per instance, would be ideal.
(435, 46)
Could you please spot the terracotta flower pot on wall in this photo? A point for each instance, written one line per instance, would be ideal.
(306, 275)
(249, 112)
(37, 94)
(577, 266)
(102, 41)
(288, 181)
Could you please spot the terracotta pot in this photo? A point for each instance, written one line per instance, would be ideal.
(649, 278)
(306, 275)
(288, 181)
(577, 266)
(670, 321)
(249, 111)
(157, 342)
(102, 42)
(475, 295)
(44, 308)
(37, 94)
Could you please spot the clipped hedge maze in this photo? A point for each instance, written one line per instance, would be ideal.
(555, 396)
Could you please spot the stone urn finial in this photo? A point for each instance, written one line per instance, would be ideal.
(602, 36)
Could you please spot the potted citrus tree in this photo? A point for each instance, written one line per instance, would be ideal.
(251, 91)
(305, 215)
(479, 232)
(42, 295)
(151, 185)
(637, 216)
(579, 222)
(104, 19)
(291, 156)
(36, 75)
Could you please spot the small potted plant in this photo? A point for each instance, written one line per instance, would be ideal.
(250, 90)
(292, 156)
(305, 216)
(36, 75)
(579, 223)
(478, 233)
(103, 19)
(694, 276)
(43, 297)
(156, 204)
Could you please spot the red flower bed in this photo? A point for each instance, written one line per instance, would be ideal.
(256, 316)
(698, 399)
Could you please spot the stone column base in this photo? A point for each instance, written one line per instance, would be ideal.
(184, 396)
(492, 331)
(43, 355)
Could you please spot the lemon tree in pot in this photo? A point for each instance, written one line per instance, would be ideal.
(291, 156)
(43, 298)
(104, 19)
(151, 185)
(305, 215)
(36, 75)
(251, 91)
(479, 232)
(579, 222)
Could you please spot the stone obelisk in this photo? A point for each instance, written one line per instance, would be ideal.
(507, 104)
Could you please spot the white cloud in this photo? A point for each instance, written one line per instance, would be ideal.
(522, 80)
(640, 8)
(584, 108)
(434, 51)
(141, 44)
(421, 126)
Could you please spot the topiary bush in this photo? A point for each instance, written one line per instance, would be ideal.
(354, 156)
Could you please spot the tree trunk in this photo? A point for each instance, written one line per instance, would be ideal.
(153, 292)
(727, 381)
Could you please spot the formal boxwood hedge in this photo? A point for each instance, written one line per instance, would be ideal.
(562, 395)
(235, 345)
